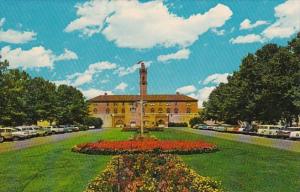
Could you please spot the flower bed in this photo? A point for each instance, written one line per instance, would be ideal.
(145, 146)
(150, 173)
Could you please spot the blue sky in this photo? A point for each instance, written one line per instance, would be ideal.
(188, 46)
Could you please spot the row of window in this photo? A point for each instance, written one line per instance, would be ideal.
(151, 104)
(152, 110)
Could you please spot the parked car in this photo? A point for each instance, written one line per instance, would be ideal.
(20, 134)
(93, 127)
(295, 132)
(268, 130)
(31, 131)
(74, 128)
(222, 128)
(42, 131)
(56, 129)
(6, 134)
(202, 126)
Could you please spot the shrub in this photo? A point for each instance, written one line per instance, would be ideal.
(172, 124)
(93, 121)
(195, 120)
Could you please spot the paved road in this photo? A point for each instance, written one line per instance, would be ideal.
(269, 142)
(15, 145)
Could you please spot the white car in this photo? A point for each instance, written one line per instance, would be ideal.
(20, 134)
(268, 130)
(295, 132)
(30, 129)
(56, 130)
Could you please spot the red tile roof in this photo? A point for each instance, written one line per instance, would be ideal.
(133, 98)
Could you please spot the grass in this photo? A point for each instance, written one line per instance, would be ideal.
(53, 167)
(243, 167)
(239, 166)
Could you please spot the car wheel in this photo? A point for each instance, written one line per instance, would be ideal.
(16, 138)
(1, 139)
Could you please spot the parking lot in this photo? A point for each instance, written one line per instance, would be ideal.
(264, 141)
(16, 145)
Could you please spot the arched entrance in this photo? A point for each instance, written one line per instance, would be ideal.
(119, 123)
(160, 122)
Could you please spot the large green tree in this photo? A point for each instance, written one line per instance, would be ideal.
(266, 88)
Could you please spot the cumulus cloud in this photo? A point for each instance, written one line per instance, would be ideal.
(186, 89)
(181, 54)
(251, 38)
(216, 78)
(246, 24)
(78, 79)
(67, 55)
(15, 37)
(287, 22)
(202, 94)
(133, 24)
(91, 93)
(122, 86)
(122, 71)
(218, 32)
(35, 57)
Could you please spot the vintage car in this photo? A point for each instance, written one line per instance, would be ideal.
(20, 134)
(295, 132)
(6, 134)
(268, 130)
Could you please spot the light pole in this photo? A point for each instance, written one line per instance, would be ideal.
(142, 115)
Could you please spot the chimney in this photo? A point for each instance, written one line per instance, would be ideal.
(177, 93)
(105, 93)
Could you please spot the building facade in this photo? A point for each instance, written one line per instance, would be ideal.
(125, 110)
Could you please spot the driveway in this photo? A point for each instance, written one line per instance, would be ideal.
(15, 145)
(268, 142)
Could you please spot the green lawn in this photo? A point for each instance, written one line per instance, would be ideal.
(53, 167)
(244, 167)
(239, 166)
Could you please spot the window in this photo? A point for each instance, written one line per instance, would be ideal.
(160, 110)
(152, 110)
(123, 110)
(176, 110)
(123, 103)
(115, 110)
(107, 111)
(175, 103)
(95, 110)
(115, 104)
(188, 110)
(107, 104)
(168, 110)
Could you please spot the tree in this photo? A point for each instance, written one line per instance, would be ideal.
(71, 106)
(195, 120)
(266, 88)
(40, 100)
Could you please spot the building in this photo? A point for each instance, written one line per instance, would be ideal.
(125, 110)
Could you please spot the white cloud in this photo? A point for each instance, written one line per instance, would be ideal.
(216, 78)
(67, 55)
(250, 38)
(78, 79)
(122, 71)
(218, 32)
(133, 24)
(34, 58)
(288, 20)
(286, 24)
(202, 94)
(186, 89)
(122, 86)
(2, 21)
(15, 37)
(90, 93)
(181, 54)
(246, 24)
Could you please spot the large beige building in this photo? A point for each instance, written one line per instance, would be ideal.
(125, 110)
